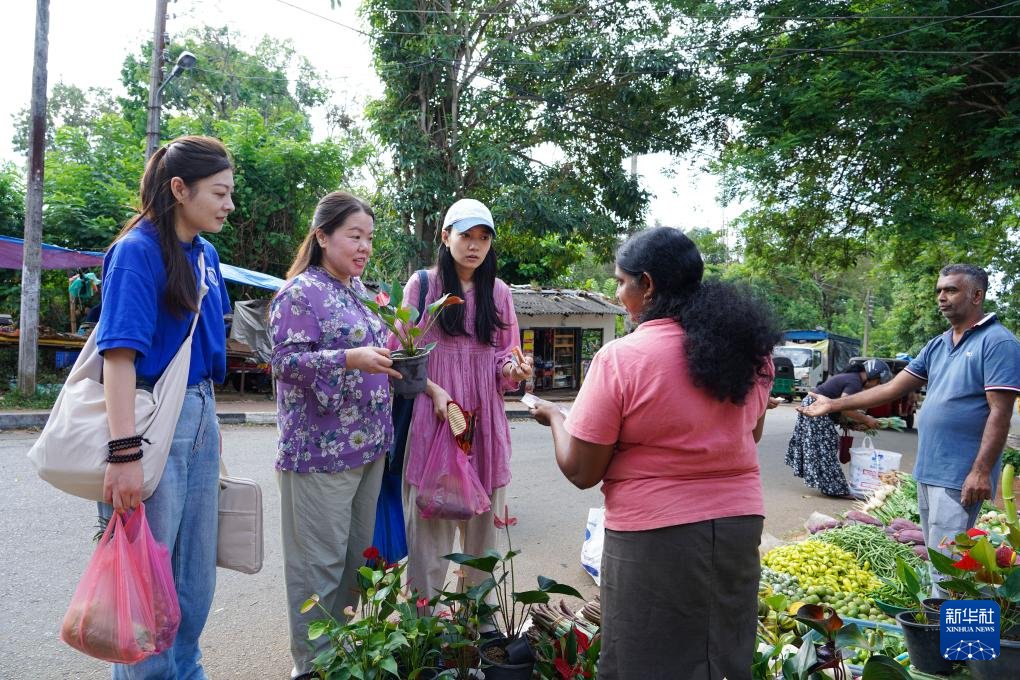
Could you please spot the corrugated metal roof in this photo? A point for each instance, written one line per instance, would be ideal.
(535, 301)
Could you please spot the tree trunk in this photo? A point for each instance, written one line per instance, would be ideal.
(28, 341)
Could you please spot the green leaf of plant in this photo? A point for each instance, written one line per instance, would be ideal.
(800, 665)
(984, 553)
(396, 295)
(404, 315)
(880, 667)
(531, 597)
(548, 585)
(486, 564)
(942, 563)
(908, 577)
(309, 603)
(1010, 588)
(851, 635)
(317, 629)
(389, 664)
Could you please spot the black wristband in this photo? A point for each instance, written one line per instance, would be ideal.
(126, 458)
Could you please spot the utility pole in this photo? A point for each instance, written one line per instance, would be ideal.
(155, 76)
(868, 306)
(28, 340)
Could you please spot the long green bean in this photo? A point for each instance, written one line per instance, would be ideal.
(870, 545)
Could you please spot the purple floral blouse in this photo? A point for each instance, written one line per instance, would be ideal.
(330, 419)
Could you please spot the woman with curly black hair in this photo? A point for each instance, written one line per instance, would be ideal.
(668, 419)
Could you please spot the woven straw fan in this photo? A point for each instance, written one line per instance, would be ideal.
(461, 424)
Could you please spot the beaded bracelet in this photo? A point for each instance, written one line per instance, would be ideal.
(126, 458)
(115, 445)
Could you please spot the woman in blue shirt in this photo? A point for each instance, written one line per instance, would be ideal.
(151, 288)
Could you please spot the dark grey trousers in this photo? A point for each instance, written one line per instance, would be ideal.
(681, 602)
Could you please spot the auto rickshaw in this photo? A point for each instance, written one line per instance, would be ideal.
(784, 381)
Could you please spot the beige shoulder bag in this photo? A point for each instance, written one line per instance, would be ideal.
(71, 452)
(239, 537)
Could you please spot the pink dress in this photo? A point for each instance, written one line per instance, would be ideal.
(471, 373)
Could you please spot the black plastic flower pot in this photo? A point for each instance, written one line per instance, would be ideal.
(1005, 667)
(933, 604)
(499, 648)
(413, 369)
(922, 640)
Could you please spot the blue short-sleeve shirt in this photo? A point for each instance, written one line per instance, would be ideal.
(135, 315)
(955, 409)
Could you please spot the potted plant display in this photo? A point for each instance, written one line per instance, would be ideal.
(408, 325)
(507, 655)
(977, 569)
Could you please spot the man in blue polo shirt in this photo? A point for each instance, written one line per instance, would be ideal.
(973, 376)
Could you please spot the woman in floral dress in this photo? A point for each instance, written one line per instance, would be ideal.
(333, 404)
(813, 452)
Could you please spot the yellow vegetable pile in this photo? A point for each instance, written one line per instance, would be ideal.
(819, 564)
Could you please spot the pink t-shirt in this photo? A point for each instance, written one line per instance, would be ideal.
(681, 455)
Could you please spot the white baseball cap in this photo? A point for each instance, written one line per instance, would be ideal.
(467, 213)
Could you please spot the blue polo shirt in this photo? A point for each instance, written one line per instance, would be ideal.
(952, 418)
(135, 314)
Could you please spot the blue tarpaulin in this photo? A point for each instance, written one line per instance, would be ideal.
(248, 277)
(55, 257)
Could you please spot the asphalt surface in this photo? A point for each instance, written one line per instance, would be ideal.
(46, 541)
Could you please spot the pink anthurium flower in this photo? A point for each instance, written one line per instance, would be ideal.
(383, 298)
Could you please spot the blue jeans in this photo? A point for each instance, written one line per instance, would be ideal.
(183, 514)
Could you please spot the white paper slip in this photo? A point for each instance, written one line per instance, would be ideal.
(531, 401)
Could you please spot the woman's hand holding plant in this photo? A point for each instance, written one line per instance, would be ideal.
(371, 360)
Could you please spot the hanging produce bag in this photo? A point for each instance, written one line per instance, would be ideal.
(866, 465)
(125, 607)
(450, 488)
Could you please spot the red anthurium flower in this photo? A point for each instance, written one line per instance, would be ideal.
(583, 643)
(564, 668)
(1005, 557)
(371, 553)
(506, 520)
(422, 602)
(967, 563)
(383, 298)
(975, 532)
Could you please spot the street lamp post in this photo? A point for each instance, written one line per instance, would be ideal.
(186, 60)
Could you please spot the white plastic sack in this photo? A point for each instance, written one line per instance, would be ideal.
(867, 463)
(591, 551)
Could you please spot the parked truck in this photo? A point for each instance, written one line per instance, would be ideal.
(816, 355)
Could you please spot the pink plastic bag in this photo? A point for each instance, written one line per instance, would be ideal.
(450, 488)
(125, 607)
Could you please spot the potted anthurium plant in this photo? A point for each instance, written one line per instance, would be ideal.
(408, 325)
(392, 634)
(824, 650)
(977, 569)
(508, 657)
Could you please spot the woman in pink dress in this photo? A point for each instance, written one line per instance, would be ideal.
(471, 364)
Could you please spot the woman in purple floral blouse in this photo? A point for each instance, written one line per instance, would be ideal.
(333, 408)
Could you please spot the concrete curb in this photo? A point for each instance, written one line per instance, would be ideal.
(28, 421)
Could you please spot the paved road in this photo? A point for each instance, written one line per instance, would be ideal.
(47, 538)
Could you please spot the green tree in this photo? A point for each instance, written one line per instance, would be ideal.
(66, 106)
(226, 78)
(12, 201)
(476, 92)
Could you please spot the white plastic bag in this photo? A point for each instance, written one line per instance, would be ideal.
(591, 551)
(867, 463)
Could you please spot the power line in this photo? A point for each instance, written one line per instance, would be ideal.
(768, 17)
